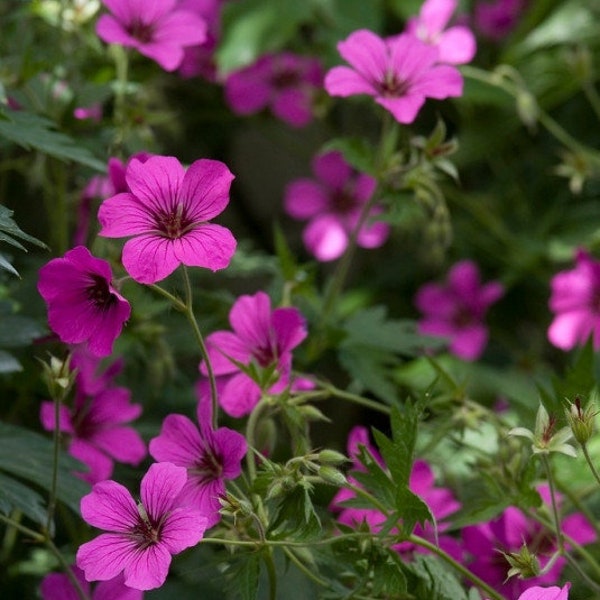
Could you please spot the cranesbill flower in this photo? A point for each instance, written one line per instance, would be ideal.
(546, 593)
(440, 501)
(332, 205)
(95, 426)
(168, 210)
(57, 586)
(456, 44)
(261, 337)
(495, 19)
(575, 300)
(284, 82)
(157, 29)
(456, 309)
(140, 538)
(83, 306)
(485, 544)
(210, 457)
(399, 72)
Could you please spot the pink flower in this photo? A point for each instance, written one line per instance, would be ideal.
(575, 300)
(497, 18)
(158, 30)
(457, 308)
(167, 210)
(400, 72)
(285, 82)
(262, 338)
(83, 306)
(93, 112)
(141, 537)
(57, 586)
(210, 457)
(95, 426)
(550, 593)
(456, 44)
(440, 501)
(332, 206)
(507, 533)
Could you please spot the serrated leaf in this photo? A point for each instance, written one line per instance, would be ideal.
(34, 132)
(389, 580)
(14, 495)
(411, 510)
(435, 581)
(244, 576)
(35, 460)
(9, 226)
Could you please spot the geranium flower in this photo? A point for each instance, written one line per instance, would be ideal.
(456, 44)
(457, 308)
(440, 501)
(575, 300)
(95, 426)
(495, 19)
(158, 30)
(485, 543)
(549, 593)
(210, 457)
(332, 205)
(284, 82)
(262, 337)
(140, 538)
(168, 209)
(400, 72)
(57, 586)
(83, 306)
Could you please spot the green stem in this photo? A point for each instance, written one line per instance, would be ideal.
(68, 571)
(590, 462)
(359, 400)
(591, 93)
(263, 403)
(271, 573)
(301, 567)
(122, 67)
(38, 537)
(189, 311)
(423, 543)
(553, 503)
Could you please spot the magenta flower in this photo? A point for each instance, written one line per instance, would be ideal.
(332, 205)
(140, 538)
(83, 306)
(96, 425)
(550, 593)
(485, 542)
(262, 337)
(440, 501)
(158, 30)
(495, 19)
(167, 210)
(456, 44)
(400, 72)
(57, 586)
(285, 82)
(575, 300)
(457, 308)
(210, 457)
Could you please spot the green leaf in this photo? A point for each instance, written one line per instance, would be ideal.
(411, 510)
(244, 576)
(16, 330)
(295, 517)
(14, 495)
(389, 580)
(8, 363)
(29, 456)
(34, 132)
(251, 28)
(4, 264)
(8, 226)
(434, 580)
(357, 151)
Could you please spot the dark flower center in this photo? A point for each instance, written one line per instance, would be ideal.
(285, 78)
(145, 532)
(343, 201)
(264, 355)
(463, 317)
(392, 86)
(99, 293)
(143, 32)
(174, 224)
(209, 467)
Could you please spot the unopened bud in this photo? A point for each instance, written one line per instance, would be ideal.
(523, 563)
(58, 375)
(581, 420)
(331, 457)
(332, 475)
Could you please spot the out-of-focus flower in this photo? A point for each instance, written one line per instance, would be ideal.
(456, 309)
(485, 543)
(399, 72)
(211, 456)
(57, 586)
(456, 44)
(168, 209)
(332, 205)
(441, 501)
(262, 339)
(575, 300)
(96, 425)
(83, 305)
(93, 112)
(286, 83)
(158, 30)
(140, 538)
(495, 19)
(546, 593)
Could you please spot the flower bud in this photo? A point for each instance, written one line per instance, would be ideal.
(58, 376)
(331, 475)
(331, 457)
(581, 420)
(523, 563)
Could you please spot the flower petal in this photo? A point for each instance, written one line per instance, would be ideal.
(109, 506)
(160, 487)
